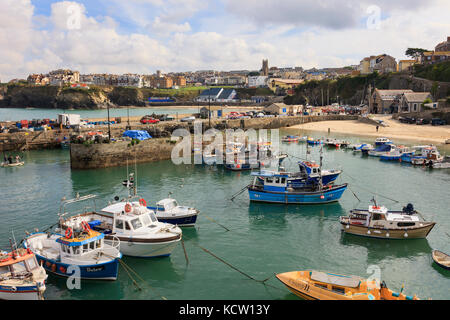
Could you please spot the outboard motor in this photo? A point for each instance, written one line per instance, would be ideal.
(409, 209)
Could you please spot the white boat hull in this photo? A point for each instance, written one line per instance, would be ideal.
(20, 296)
(147, 250)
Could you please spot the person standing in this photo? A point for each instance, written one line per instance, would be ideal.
(378, 128)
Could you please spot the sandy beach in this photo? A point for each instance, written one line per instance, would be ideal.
(395, 130)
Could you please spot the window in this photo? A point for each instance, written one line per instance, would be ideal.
(136, 223)
(76, 250)
(321, 286)
(32, 264)
(92, 245)
(269, 180)
(127, 226)
(338, 290)
(145, 220)
(283, 180)
(406, 224)
(119, 224)
(277, 180)
(153, 217)
(86, 247)
(98, 244)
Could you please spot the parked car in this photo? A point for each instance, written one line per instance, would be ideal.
(149, 120)
(438, 122)
(188, 119)
(420, 122)
(260, 115)
(167, 118)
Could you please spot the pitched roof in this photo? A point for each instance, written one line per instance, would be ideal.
(417, 96)
(226, 94)
(391, 94)
(211, 92)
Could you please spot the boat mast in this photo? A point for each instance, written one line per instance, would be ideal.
(320, 168)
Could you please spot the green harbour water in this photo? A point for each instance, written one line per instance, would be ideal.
(264, 239)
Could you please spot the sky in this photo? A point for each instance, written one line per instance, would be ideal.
(142, 36)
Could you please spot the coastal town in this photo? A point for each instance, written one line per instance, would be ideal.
(305, 175)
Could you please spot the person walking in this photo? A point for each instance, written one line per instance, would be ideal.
(378, 128)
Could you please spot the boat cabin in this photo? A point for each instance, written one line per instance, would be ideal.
(166, 205)
(334, 283)
(380, 216)
(309, 168)
(271, 181)
(21, 262)
(81, 244)
(127, 223)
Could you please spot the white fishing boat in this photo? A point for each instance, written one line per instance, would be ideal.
(21, 277)
(168, 211)
(139, 231)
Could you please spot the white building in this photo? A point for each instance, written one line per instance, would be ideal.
(257, 81)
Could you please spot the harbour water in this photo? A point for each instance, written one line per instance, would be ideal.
(264, 239)
(16, 114)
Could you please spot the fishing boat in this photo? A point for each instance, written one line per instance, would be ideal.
(433, 156)
(441, 259)
(313, 142)
(420, 152)
(83, 250)
(397, 153)
(316, 285)
(334, 143)
(361, 147)
(168, 211)
(378, 222)
(444, 164)
(290, 139)
(274, 188)
(135, 226)
(366, 149)
(21, 276)
(382, 141)
(381, 150)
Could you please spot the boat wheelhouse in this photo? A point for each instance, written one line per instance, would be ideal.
(21, 276)
(378, 222)
(168, 211)
(381, 150)
(382, 141)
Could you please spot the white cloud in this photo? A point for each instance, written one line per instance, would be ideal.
(171, 41)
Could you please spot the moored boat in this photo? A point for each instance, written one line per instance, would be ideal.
(441, 259)
(168, 211)
(397, 153)
(84, 251)
(316, 285)
(21, 276)
(290, 139)
(381, 150)
(12, 165)
(313, 142)
(444, 164)
(378, 222)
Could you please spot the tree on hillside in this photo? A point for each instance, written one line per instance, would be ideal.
(415, 52)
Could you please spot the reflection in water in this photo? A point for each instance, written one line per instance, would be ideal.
(381, 249)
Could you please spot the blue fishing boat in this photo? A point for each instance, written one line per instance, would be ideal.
(274, 189)
(381, 150)
(397, 154)
(64, 255)
(421, 153)
(79, 251)
(313, 142)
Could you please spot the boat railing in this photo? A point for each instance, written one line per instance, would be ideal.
(115, 243)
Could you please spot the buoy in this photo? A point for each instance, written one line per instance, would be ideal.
(348, 226)
(406, 235)
(54, 267)
(387, 235)
(368, 232)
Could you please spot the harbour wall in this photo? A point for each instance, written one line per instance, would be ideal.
(93, 156)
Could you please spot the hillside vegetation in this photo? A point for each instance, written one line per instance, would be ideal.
(437, 72)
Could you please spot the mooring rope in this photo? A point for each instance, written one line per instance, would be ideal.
(214, 221)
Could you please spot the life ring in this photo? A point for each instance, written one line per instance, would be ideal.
(86, 227)
(142, 202)
(128, 208)
(69, 233)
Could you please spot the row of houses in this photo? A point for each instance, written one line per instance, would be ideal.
(400, 101)
(55, 78)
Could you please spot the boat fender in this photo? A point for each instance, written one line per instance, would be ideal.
(62, 269)
(53, 267)
(69, 233)
(348, 226)
(387, 235)
(406, 235)
(368, 231)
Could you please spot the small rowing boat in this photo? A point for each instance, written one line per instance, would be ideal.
(441, 259)
(12, 165)
(316, 285)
